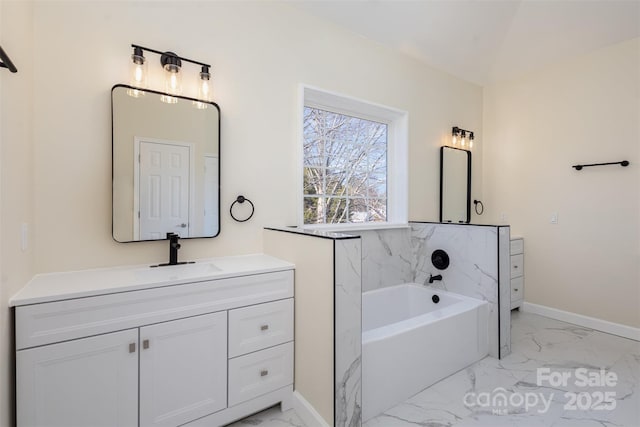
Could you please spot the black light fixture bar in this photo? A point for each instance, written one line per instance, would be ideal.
(456, 131)
(171, 54)
(5, 61)
(622, 163)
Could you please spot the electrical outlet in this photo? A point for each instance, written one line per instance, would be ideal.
(503, 217)
(554, 218)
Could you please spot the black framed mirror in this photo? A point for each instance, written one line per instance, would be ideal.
(165, 165)
(455, 185)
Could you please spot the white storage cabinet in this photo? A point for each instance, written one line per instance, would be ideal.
(517, 272)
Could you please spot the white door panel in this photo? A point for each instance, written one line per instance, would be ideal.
(164, 189)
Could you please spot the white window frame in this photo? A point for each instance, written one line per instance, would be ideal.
(397, 153)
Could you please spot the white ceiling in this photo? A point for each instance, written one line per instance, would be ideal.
(485, 41)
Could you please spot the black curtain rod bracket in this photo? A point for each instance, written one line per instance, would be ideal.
(622, 163)
(5, 61)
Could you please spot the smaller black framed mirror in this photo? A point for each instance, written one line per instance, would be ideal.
(455, 185)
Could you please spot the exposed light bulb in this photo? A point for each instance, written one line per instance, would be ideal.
(204, 89)
(471, 138)
(464, 135)
(172, 78)
(138, 73)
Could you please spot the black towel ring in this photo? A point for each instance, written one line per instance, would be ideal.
(476, 203)
(241, 199)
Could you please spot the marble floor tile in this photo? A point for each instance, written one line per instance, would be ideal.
(272, 417)
(537, 342)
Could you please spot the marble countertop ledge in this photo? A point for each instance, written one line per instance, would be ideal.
(101, 281)
(314, 233)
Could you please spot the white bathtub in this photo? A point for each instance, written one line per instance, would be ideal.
(409, 342)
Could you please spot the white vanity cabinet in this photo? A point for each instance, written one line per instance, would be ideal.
(517, 272)
(205, 350)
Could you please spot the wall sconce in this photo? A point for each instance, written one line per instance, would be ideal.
(463, 136)
(172, 65)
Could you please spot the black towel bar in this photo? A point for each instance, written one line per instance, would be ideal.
(5, 61)
(621, 163)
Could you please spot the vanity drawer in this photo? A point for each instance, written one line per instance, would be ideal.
(517, 246)
(517, 288)
(517, 265)
(258, 373)
(260, 326)
(46, 323)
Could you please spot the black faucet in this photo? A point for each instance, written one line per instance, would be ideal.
(173, 248)
(433, 278)
(173, 251)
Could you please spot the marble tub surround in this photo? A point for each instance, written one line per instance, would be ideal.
(328, 289)
(348, 332)
(478, 268)
(479, 265)
(387, 258)
(537, 342)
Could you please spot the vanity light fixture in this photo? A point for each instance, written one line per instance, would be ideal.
(172, 65)
(459, 134)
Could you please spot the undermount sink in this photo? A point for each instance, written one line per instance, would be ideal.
(176, 272)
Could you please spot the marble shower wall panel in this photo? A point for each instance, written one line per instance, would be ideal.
(348, 332)
(387, 258)
(473, 269)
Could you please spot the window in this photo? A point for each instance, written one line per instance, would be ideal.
(353, 161)
(345, 168)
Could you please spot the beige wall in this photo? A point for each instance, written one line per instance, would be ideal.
(314, 314)
(16, 184)
(260, 52)
(584, 110)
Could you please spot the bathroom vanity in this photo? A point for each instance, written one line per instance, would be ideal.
(198, 344)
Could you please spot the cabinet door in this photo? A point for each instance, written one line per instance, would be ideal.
(86, 382)
(183, 369)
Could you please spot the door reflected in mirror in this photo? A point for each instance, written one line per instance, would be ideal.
(166, 162)
(455, 185)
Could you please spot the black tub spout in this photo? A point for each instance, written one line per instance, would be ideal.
(433, 278)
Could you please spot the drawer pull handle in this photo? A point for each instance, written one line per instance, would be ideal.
(516, 289)
(264, 327)
(264, 373)
(132, 347)
(515, 266)
(145, 344)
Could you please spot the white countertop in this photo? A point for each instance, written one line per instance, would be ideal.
(77, 284)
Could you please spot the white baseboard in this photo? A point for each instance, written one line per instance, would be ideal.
(586, 321)
(307, 413)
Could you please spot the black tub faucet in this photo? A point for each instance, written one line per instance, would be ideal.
(433, 278)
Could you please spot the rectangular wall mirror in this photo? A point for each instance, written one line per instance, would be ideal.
(455, 185)
(166, 163)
